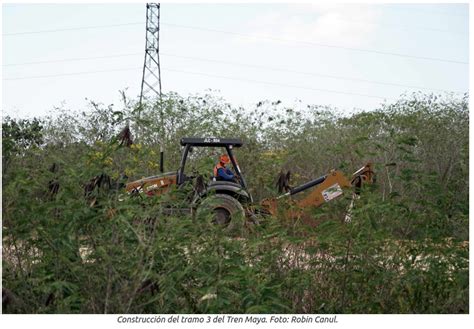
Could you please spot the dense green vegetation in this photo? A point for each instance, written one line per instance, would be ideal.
(405, 250)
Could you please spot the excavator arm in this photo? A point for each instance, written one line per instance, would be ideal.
(326, 188)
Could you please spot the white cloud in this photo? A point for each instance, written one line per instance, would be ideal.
(342, 25)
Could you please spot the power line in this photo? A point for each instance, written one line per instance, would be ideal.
(418, 11)
(70, 29)
(245, 65)
(258, 37)
(403, 27)
(70, 74)
(208, 75)
(320, 44)
(309, 73)
(72, 59)
(140, 23)
(196, 73)
(274, 83)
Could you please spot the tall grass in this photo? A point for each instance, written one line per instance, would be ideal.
(405, 250)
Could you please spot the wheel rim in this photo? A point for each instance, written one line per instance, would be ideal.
(221, 216)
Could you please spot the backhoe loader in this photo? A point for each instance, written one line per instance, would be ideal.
(230, 204)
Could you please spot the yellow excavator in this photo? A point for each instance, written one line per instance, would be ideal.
(227, 202)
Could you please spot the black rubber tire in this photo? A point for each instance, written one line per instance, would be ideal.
(223, 210)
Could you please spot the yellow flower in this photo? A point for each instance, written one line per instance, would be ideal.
(136, 147)
(115, 175)
(152, 165)
(108, 161)
(129, 172)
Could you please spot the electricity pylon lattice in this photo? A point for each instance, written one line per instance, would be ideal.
(151, 78)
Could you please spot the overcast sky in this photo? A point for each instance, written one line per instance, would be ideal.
(349, 56)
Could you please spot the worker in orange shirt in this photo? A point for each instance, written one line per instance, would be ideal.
(220, 170)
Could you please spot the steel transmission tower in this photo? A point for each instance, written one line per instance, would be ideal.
(151, 78)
